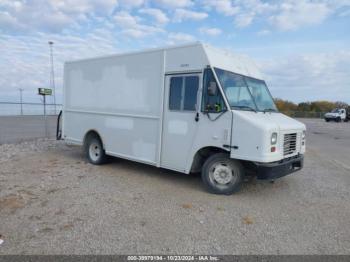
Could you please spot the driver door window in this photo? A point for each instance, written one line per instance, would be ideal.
(214, 103)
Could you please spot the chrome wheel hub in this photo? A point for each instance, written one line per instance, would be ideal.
(222, 173)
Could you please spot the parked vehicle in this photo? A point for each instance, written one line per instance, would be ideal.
(190, 108)
(338, 115)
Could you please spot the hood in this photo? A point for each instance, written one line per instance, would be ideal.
(270, 120)
(251, 134)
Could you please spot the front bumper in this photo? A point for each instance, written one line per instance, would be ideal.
(281, 168)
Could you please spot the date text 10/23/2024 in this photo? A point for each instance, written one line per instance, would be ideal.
(172, 258)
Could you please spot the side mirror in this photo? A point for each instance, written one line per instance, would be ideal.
(212, 89)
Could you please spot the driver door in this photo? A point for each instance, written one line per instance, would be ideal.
(179, 123)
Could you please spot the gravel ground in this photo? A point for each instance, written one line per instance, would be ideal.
(16, 129)
(53, 202)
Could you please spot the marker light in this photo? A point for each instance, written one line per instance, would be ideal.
(303, 135)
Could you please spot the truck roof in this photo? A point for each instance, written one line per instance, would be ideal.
(216, 57)
(147, 50)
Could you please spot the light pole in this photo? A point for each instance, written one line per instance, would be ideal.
(52, 75)
(21, 101)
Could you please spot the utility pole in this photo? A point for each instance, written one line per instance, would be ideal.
(45, 117)
(45, 92)
(21, 100)
(52, 75)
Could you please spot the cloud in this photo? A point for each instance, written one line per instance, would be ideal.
(244, 20)
(130, 26)
(159, 16)
(183, 14)
(315, 76)
(25, 60)
(25, 16)
(174, 3)
(100, 8)
(8, 21)
(212, 31)
(179, 38)
(50, 16)
(131, 3)
(264, 32)
(224, 7)
(294, 15)
(125, 20)
(84, 28)
(284, 15)
(345, 13)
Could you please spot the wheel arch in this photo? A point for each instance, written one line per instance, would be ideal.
(93, 133)
(202, 154)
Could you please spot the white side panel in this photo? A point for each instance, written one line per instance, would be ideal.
(211, 133)
(251, 133)
(191, 58)
(122, 84)
(120, 98)
(128, 137)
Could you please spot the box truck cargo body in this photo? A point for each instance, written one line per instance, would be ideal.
(189, 108)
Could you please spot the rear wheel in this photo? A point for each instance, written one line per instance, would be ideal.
(94, 151)
(222, 175)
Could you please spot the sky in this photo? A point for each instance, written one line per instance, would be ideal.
(302, 47)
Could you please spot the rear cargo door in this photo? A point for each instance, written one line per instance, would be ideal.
(179, 122)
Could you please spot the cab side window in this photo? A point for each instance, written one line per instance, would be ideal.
(183, 93)
(213, 103)
(175, 94)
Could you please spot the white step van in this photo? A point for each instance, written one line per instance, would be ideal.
(189, 108)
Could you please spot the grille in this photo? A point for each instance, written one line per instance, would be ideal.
(290, 144)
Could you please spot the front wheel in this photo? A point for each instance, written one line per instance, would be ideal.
(222, 175)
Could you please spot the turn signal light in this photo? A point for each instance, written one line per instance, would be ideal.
(273, 149)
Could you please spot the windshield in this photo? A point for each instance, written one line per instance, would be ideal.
(335, 111)
(244, 92)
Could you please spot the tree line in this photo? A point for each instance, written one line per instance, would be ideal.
(315, 106)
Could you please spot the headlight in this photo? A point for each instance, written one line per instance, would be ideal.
(303, 135)
(273, 138)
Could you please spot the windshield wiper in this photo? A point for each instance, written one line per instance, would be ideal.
(269, 110)
(246, 107)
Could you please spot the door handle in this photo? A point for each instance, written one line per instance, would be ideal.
(197, 117)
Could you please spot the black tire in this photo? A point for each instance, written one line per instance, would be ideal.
(226, 182)
(94, 151)
(327, 120)
(338, 120)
